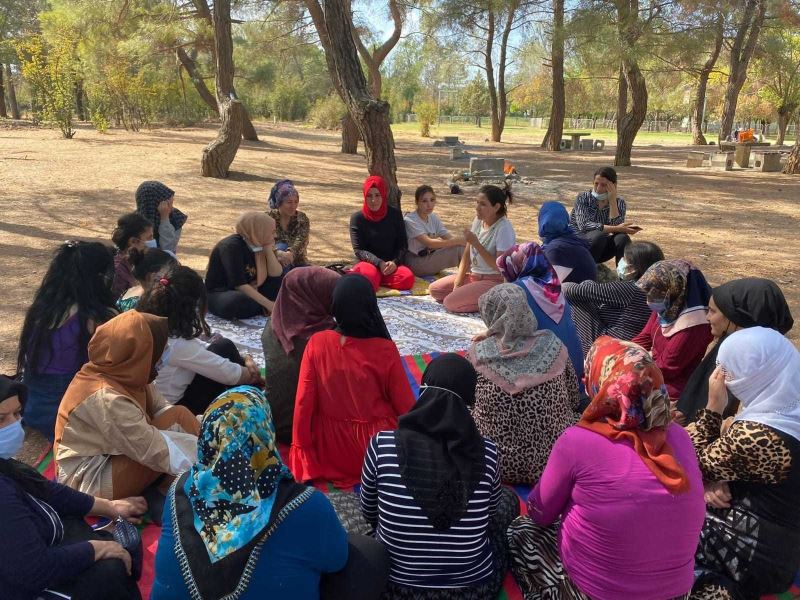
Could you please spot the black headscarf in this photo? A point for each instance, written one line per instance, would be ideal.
(355, 309)
(440, 450)
(747, 302)
(149, 195)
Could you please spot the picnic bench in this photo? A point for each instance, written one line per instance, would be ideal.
(741, 151)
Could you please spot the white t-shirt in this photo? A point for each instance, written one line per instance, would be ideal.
(497, 238)
(415, 226)
(188, 358)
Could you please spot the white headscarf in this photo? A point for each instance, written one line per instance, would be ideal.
(762, 368)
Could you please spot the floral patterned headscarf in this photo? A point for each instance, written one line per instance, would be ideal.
(630, 401)
(528, 263)
(684, 289)
(233, 485)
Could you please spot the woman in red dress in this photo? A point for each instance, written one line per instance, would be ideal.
(352, 385)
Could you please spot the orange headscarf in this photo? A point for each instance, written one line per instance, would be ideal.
(630, 402)
(375, 181)
(257, 228)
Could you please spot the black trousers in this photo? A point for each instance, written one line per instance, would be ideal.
(104, 580)
(605, 246)
(365, 575)
(233, 304)
(203, 391)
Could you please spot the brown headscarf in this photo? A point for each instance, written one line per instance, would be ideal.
(304, 305)
(257, 228)
(122, 356)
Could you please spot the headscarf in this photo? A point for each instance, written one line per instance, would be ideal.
(282, 190)
(528, 263)
(356, 309)
(440, 450)
(515, 356)
(762, 368)
(684, 288)
(304, 305)
(149, 195)
(554, 224)
(375, 181)
(257, 228)
(629, 401)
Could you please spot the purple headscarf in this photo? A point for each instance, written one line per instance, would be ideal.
(282, 189)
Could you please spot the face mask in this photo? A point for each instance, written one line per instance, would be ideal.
(622, 267)
(601, 197)
(255, 249)
(11, 439)
(151, 244)
(658, 307)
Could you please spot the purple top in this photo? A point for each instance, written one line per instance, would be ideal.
(623, 535)
(68, 355)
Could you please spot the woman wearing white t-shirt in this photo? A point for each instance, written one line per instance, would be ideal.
(431, 248)
(490, 235)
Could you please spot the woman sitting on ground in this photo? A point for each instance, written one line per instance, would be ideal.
(616, 308)
(133, 232)
(378, 236)
(677, 333)
(48, 547)
(738, 304)
(244, 275)
(154, 201)
(74, 298)
(431, 248)
(624, 485)
(148, 265)
(527, 391)
(193, 372)
(303, 308)
(491, 234)
(527, 267)
(352, 384)
(568, 253)
(432, 491)
(115, 434)
(236, 525)
(599, 217)
(750, 544)
(292, 227)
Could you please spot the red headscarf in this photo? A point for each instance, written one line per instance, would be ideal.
(375, 181)
(630, 402)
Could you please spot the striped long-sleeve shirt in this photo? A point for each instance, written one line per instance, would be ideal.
(420, 555)
(587, 216)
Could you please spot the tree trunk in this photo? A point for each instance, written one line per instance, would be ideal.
(349, 135)
(744, 44)
(629, 121)
(698, 114)
(793, 163)
(248, 129)
(502, 97)
(555, 129)
(199, 84)
(494, 117)
(784, 114)
(219, 154)
(370, 115)
(3, 110)
(80, 108)
(12, 93)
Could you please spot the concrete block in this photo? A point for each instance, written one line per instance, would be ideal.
(451, 140)
(587, 144)
(741, 156)
(767, 162)
(599, 144)
(487, 166)
(697, 159)
(456, 153)
(722, 161)
(565, 144)
(438, 143)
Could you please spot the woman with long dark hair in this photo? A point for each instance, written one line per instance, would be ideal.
(133, 232)
(73, 299)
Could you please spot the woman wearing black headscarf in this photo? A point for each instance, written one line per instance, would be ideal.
(352, 384)
(154, 202)
(738, 304)
(445, 532)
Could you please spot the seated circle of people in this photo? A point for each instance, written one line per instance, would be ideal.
(73, 299)
(244, 274)
(147, 267)
(378, 237)
(303, 307)
(193, 372)
(737, 304)
(431, 247)
(615, 308)
(133, 231)
(599, 217)
(237, 525)
(527, 392)
(566, 250)
(155, 202)
(351, 385)
(619, 508)
(292, 227)
(750, 542)
(490, 235)
(48, 546)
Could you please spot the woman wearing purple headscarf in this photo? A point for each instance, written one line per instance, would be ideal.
(292, 226)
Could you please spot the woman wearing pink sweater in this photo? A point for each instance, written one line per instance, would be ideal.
(626, 487)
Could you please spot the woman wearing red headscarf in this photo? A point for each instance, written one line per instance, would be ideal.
(378, 235)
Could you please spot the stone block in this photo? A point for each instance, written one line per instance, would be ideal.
(487, 166)
(767, 162)
(456, 153)
(741, 156)
(697, 159)
(599, 144)
(451, 140)
(438, 143)
(722, 161)
(587, 144)
(565, 144)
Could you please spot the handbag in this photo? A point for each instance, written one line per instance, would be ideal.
(128, 536)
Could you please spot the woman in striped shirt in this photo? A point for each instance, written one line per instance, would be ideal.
(432, 491)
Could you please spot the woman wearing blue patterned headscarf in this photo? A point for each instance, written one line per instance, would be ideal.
(292, 226)
(568, 253)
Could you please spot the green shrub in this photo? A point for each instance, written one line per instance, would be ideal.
(99, 120)
(426, 116)
(328, 112)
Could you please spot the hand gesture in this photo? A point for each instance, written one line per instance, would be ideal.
(165, 208)
(470, 237)
(389, 267)
(717, 392)
(479, 337)
(107, 549)
(611, 188)
(717, 494)
(629, 227)
(130, 509)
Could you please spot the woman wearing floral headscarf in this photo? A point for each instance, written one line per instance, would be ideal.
(154, 201)
(750, 543)
(378, 235)
(527, 392)
(677, 333)
(625, 485)
(292, 227)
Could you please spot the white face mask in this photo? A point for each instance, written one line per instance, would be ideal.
(255, 249)
(601, 197)
(11, 439)
(151, 244)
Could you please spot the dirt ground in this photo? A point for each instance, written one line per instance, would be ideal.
(731, 224)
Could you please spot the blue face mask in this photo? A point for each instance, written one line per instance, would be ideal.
(622, 267)
(659, 307)
(11, 439)
(601, 197)
(151, 244)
